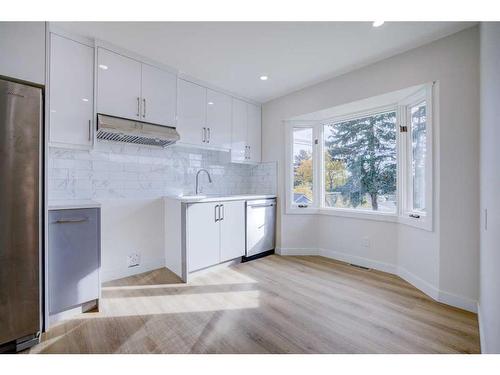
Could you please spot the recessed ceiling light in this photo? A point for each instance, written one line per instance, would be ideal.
(85, 99)
(103, 67)
(264, 78)
(210, 103)
(378, 23)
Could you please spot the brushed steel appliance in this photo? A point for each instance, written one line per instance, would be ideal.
(260, 228)
(117, 129)
(20, 215)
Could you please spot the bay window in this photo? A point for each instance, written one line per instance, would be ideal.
(371, 162)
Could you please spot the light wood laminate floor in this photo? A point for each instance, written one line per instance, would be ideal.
(303, 304)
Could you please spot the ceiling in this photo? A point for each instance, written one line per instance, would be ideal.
(233, 55)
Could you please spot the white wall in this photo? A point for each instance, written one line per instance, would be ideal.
(489, 301)
(444, 262)
(22, 51)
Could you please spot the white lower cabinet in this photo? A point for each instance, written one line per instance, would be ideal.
(232, 230)
(203, 237)
(215, 233)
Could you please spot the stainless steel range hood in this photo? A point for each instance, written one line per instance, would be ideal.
(129, 131)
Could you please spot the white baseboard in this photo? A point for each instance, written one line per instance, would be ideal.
(426, 287)
(296, 251)
(461, 302)
(419, 283)
(481, 330)
(360, 261)
(118, 273)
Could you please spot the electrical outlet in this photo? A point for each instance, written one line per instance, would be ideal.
(366, 242)
(133, 260)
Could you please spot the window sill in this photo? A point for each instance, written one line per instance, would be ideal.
(421, 223)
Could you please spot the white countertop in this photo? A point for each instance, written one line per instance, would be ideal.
(72, 204)
(218, 198)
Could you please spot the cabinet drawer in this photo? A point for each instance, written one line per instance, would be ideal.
(73, 257)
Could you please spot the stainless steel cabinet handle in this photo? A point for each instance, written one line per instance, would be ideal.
(90, 130)
(216, 210)
(249, 152)
(138, 107)
(143, 107)
(204, 135)
(222, 206)
(208, 132)
(72, 220)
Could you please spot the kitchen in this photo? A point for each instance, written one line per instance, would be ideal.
(207, 193)
(111, 179)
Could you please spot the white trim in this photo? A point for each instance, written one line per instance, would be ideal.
(424, 286)
(419, 283)
(457, 301)
(401, 215)
(358, 260)
(482, 337)
(296, 251)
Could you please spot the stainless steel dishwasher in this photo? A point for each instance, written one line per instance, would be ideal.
(260, 228)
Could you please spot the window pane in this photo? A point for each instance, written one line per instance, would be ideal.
(302, 166)
(418, 140)
(360, 163)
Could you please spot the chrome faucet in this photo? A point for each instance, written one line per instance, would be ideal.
(198, 175)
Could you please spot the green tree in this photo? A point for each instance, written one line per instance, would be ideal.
(335, 172)
(367, 147)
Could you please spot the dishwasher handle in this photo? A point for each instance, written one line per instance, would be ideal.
(262, 205)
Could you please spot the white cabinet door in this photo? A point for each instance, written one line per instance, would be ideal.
(191, 113)
(71, 91)
(254, 130)
(239, 131)
(159, 96)
(203, 236)
(219, 119)
(118, 85)
(232, 230)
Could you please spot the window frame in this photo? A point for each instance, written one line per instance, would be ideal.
(403, 168)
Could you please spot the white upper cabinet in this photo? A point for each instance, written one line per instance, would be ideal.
(130, 89)
(158, 95)
(118, 85)
(218, 119)
(246, 132)
(71, 91)
(203, 116)
(254, 131)
(192, 113)
(239, 131)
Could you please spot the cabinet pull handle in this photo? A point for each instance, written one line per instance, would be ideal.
(204, 135)
(222, 206)
(144, 107)
(72, 220)
(90, 130)
(216, 208)
(138, 107)
(208, 137)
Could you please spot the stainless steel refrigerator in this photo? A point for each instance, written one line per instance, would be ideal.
(20, 215)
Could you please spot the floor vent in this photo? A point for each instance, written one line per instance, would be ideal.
(357, 266)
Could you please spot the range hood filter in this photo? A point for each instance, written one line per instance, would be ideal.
(128, 131)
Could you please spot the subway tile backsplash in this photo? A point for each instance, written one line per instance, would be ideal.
(116, 171)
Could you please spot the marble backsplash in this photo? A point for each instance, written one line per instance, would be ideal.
(122, 171)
